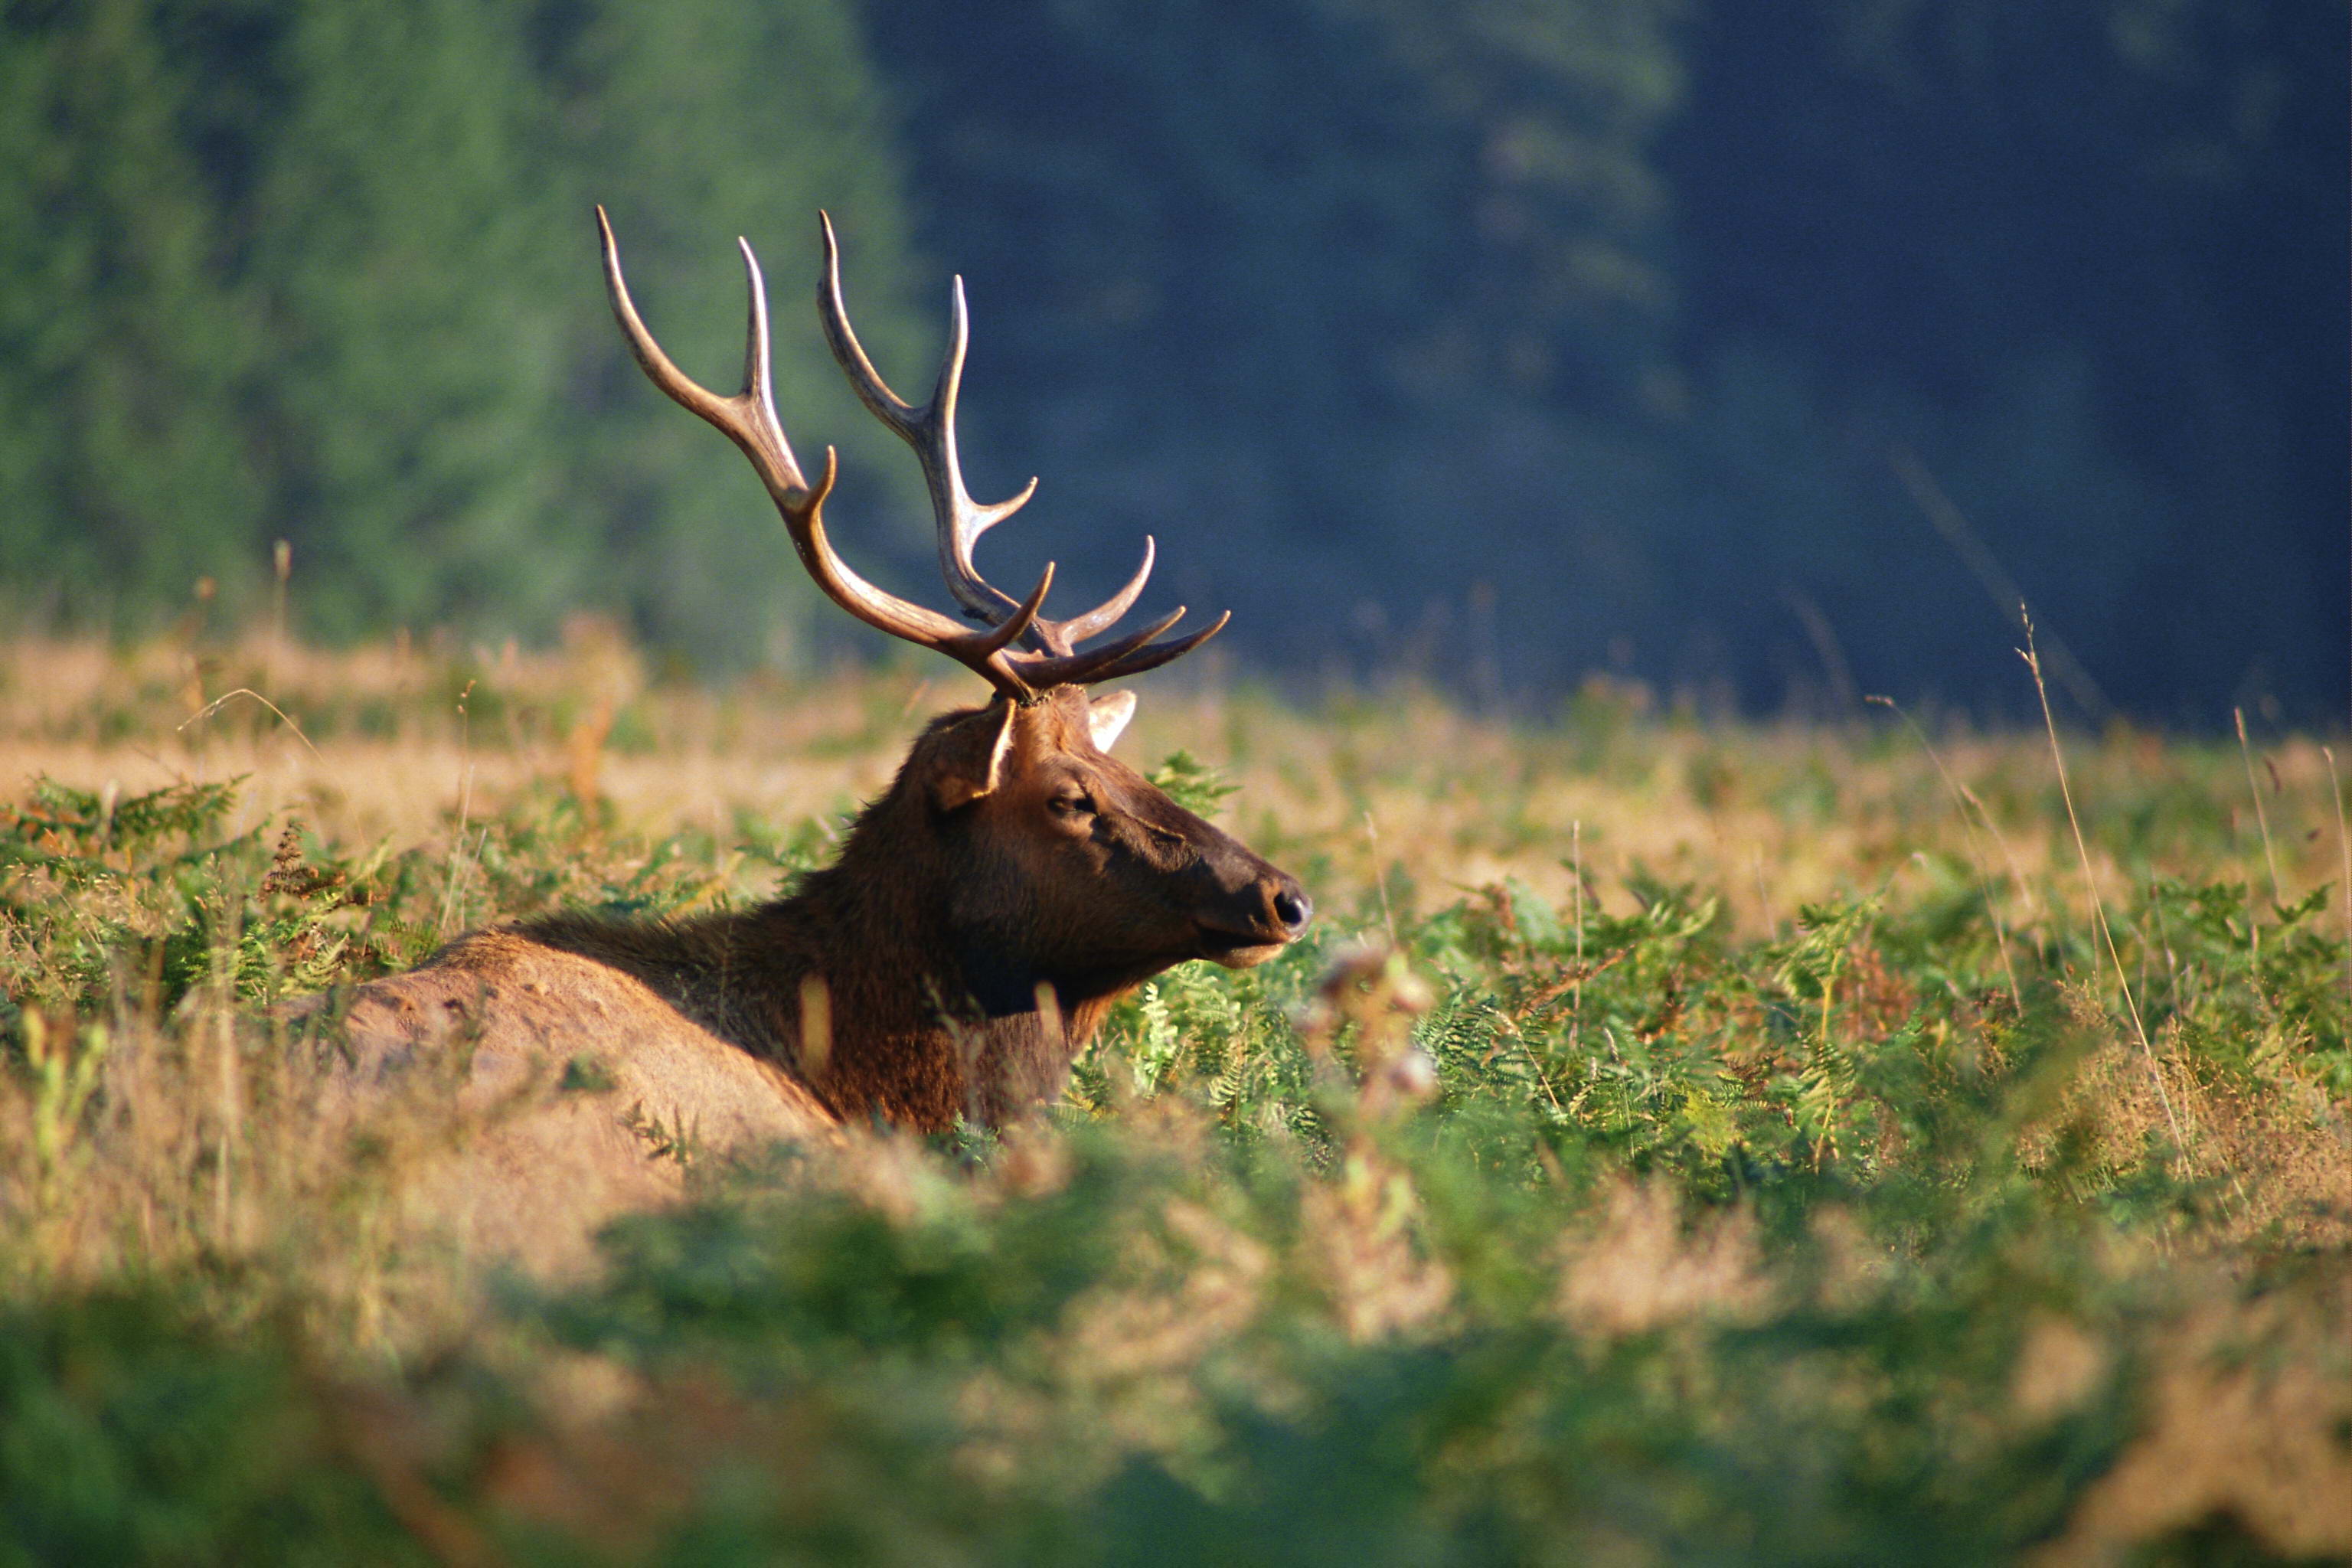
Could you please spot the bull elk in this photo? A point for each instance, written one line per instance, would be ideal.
(1013, 882)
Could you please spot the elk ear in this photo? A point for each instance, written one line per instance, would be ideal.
(972, 764)
(1108, 716)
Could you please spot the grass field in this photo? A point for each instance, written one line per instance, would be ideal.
(1680, 1141)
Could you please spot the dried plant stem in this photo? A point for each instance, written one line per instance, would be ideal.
(1380, 873)
(2262, 818)
(2343, 846)
(816, 1023)
(282, 560)
(209, 709)
(231, 1131)
(465, 809)
(458, 853)
(2009, 857)
(1575, 851)
(1953, 524)
(2090, 880)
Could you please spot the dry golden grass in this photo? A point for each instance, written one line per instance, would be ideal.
(406, 743)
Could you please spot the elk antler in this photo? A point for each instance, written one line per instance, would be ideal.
(748, 419)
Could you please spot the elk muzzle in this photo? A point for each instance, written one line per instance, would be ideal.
(1263, 910)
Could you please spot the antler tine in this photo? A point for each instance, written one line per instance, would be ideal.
(1119, 661)
(930, 430)
(1076, 670)
(748, 419)
(1104, 616)
(893, 410)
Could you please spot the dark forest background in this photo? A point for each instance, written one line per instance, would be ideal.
(1764, 352)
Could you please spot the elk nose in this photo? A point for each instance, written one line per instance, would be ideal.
(1293, 908)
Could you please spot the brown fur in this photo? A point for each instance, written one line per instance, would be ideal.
(1011, 884)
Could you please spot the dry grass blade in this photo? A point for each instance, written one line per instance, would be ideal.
(1953, 524)
(2343, 847)
(2262, 818)
(2098, 902)
(209, 709)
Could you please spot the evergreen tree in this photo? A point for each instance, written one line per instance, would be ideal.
(2089, 260)
(693, 123)
(323, 270)
(1617, 305)
(1293, 278)
(125, 471)
(399, 230)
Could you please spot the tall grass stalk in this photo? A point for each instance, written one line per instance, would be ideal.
(1380, 875)
(1576, 886)
(2091, 885)
(282, 562)
(217, 703)
(2262, 818)
(447, 925)
(2343, 848)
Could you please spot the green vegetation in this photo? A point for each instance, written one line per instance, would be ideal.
(326, 274)
(1758, 1146)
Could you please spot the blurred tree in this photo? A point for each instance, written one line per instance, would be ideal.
(1277, 275)
(2097, 252)
(1555, 224)
(326, 272)
(692, 122)
(1506, 335)
(125, 470)
(398, 230)
(1623, 308)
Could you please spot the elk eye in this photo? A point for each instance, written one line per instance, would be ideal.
(1072, 804)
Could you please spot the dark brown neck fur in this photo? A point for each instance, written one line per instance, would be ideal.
(921, 1032)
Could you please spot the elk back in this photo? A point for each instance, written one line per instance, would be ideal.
(562, 1093)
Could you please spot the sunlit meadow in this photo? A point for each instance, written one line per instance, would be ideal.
(1680, 1141)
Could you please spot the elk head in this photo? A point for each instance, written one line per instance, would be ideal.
(1059, 864)
(1065, 865)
